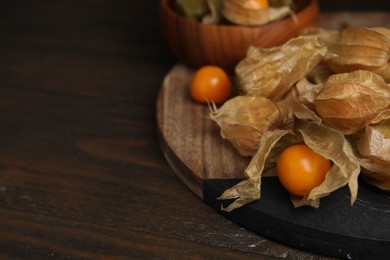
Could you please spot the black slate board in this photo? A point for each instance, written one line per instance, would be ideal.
(335, 228)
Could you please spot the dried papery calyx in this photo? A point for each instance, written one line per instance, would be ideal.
(215, 15)
(323, 33)
(300, 99)
(194, 9)
(249, 189)
(357, 48)
(375, 141)
(350, 101)
(246, 12)
(271, 72)
(376, 172)
(332, 145)
(382, 30)
(373, 147)
(308, 92)
(323, 140)
(243, 119)
(319, 74)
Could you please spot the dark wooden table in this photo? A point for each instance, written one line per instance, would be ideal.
(81, 171)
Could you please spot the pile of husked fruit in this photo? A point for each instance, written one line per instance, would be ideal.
(327, 94)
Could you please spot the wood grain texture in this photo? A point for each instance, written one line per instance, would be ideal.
(82, 175)
(189, 134)
(48, 237)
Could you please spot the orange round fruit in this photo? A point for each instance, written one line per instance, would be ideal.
(210, 84)
(300, 169)
(256, 4)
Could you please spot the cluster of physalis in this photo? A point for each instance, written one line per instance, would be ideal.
(239, 12)
(328, 90)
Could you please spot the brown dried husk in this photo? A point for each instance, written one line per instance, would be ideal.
(350, 101)
(249, 189)
(301, 100)
(332, 145)
(215, 15)
(319, 74)
(344, 117)
(243, 119)
(373, 146)
(239, 12)
(357, 48)
(193, 9)
(271, 72)
(322, 33)
(325, 141)
(378, 175)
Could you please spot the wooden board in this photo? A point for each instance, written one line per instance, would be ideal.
(189, 133)
(208, 165)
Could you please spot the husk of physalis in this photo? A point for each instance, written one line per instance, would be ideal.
(215, 14)
(271, 72)
(373, 146)
(193, 9)
(358, 48)
(249, 189)
(300, 99)
(246, 12)
(337, 91)
(325, 141)
(243, 119)
(345, 169)
(350, 101)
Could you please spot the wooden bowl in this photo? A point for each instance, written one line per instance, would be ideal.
(197, 44)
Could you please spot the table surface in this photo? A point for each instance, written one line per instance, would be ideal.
(81, 171)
